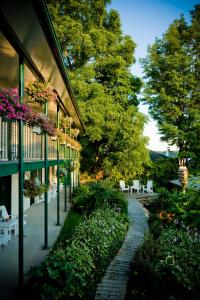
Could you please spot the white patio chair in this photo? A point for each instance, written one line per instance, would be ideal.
(4, 236)
(149, 187)
(7, 222)
(136, 186)
(122, 186)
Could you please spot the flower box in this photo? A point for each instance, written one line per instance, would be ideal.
(37, 129)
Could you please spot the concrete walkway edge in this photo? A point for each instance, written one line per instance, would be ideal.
(114, 283)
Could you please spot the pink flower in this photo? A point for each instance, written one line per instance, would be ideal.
(10, 106)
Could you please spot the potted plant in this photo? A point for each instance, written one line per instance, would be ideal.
(40, 92)
(74, 132)
(66, 122)
(44, 122)
(10, 107)
(61, 136)
(33, 187)
(63, 172)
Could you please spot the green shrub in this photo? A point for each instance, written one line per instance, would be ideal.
(168, 268)
(73, 272)
(145, 282)
(181, 257)
(89, 197)
(163, 170)
(184, 207)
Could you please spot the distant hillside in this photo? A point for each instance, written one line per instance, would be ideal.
(156, 155)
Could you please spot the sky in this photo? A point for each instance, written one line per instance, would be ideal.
(144, 20)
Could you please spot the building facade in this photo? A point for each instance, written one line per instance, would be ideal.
(30, 55)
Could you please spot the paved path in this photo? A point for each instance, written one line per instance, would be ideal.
(114, 283)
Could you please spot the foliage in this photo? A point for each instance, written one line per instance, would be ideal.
(181, 257)
(73, 272)
(87, 198)
(184, 207)
(167, 264)
(63, 172)
(33, 187)
(144, 282)
(65, 138)
(42, 121)
(12, 109)
(99, 58)
(163, 170)
(40, 92)
(66, 122)
(10, 106)
(167, 268)
(67, 231)
(75, 132)
(172, 73)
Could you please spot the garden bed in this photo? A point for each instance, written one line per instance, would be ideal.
(167, 265)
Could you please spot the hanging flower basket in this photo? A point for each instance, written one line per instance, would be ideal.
(61, 136)
(37, 129)
(33, 188)
(11, 109)
(66, 122)
(40, 92)
(44, 122)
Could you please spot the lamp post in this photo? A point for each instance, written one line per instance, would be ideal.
(183, 174)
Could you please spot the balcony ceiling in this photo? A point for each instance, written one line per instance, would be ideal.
(31, 26)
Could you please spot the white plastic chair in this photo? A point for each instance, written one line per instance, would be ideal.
(122, 186)
(8, 222)
(149, 187)
(4, 236)
(136, 186)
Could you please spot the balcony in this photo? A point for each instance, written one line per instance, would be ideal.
(33, 143)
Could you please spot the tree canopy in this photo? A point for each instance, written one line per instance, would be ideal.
(172, 73)
(98, 58)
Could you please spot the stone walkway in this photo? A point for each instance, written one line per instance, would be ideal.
(114, 283)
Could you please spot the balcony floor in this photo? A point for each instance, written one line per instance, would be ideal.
(33, 244)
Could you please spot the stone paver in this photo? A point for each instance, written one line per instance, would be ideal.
(114, 283)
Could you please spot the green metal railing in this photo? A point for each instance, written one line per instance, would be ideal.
(33, 143)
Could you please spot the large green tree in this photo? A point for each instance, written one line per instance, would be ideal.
(98, 57)
(172, 69)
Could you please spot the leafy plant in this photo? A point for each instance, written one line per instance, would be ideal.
(33, 187)
(72, 272)
(107, 93)
(67, 231)
(94, 195)
(10, 106)
(40, 92)
(42, 121)
(66, 122)
(181, 257)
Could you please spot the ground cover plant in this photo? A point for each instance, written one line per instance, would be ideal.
(167, 265)
(80, 256)
(94, 195)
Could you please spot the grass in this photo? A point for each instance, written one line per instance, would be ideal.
(72, 220)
